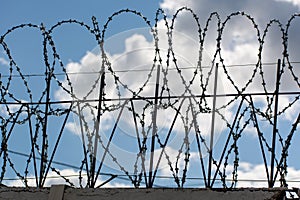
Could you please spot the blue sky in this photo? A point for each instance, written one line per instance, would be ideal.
(131, 49)
(49, 13)
(14, 12)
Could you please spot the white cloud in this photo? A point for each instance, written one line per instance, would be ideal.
(4, 61)
(54, 179)
(7, 109)
(294, 2)
(172, 6)
(73, 127)
(248, 172)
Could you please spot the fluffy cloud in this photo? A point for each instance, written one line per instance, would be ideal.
(239, 48)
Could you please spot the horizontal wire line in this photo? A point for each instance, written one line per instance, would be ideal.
(123, 175)
(136, 70)
(151, 98)
(159, 177)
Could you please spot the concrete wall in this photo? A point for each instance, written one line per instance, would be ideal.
(60, 192)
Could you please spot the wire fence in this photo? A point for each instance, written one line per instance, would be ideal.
(170, 121)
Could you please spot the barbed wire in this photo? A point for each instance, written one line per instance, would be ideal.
(122, 175)
(188, 108)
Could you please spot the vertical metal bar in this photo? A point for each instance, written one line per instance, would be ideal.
(212, 125)
(101, 90)
(198, 142)
(93, 164)
(43, 159)
(154, 130)
(271, 183)
(32, 145)
(83, 144)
